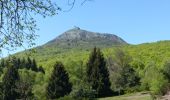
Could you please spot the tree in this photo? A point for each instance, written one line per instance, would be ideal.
(154, 80)
(28, 63)
(123, 76)
(166, 70)
(9, 83)
(128, 78)
(17, 24)
(59, 84)
(41, 69)
(23, 63)
(2, 65)
(97, 73)
(25, 84)
(34, 65)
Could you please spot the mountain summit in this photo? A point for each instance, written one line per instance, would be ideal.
(78, 37)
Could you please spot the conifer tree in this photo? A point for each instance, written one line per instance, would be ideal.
(59, 84)
(2, 65)
(23, 63)
(34, 65)
(9, 83)
(41, 69)
(97, 73)
(28, 63)
(19, 62)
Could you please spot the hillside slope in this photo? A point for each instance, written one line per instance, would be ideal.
(77, 37)
(82, 42)
(74, 41)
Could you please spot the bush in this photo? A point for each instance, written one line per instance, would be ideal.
(83, 92)
(154, 80)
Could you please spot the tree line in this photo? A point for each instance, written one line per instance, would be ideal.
(27, 63)
(101, 78)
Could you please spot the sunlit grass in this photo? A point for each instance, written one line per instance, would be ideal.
(136, 96)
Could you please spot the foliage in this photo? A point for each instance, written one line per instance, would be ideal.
(9, 83)
(137, 57)
(22, 63)
(39, 87)
(17, 21)
(166, 70)
(123, 76)
(25, 84)
(154, 80)
(59, 84)
(97, 73)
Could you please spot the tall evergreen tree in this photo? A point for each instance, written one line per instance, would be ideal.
(28, 63)
(2, 65)
(23, 63)
(34, 65)
(19, 62)
(97, 73)
(59, 84)
(9, 83)
(41, 69)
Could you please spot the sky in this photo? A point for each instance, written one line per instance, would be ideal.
(135, 21)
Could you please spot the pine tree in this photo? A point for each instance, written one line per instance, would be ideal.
(28, 63)
(2, 65)
(59, 84)
(41, 69)
(23, 63)
(15, 62)
(9, 83)
(34, 66)
(97, 73)
(19, 62)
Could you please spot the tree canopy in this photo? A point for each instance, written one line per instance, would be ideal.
(17, 23)
(98, 74)
(17, 20)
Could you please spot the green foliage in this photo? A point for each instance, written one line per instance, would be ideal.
(39, 85)
(123, 76)
(166, 70)
(22, 27)
(128, 78)
(41, 69)
(9, 83)
(22, 63)
(83, 91)
(25, 84)
(2, 65)
(59, 84)
(97, 73)
(154, 80)
(140, 56)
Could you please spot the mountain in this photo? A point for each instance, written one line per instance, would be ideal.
(74, 42)
(77, 37)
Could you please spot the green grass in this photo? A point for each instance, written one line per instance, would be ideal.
(136, 96)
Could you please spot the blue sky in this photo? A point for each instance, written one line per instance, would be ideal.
(136, 21)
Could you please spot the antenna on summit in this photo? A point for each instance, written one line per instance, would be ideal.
(77, 28)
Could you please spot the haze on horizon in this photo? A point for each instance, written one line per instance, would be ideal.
(135, 21)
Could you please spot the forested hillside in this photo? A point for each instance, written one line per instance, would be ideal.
(87, 70)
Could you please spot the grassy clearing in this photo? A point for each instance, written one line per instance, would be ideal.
(136, 96)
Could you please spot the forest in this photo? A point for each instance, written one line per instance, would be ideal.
(78, 74)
